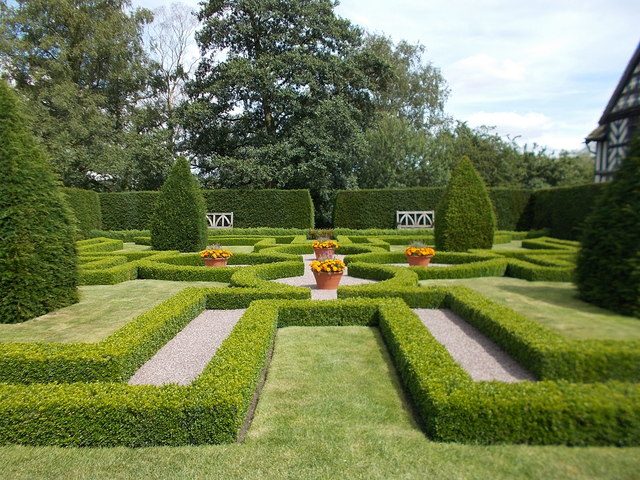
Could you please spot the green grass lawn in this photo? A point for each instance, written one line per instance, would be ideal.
(129, 246)
(102, 310)
(331, 408)
(553, 304)
(239, 248)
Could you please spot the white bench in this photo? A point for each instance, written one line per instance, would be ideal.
(414, 219)
(220, 220)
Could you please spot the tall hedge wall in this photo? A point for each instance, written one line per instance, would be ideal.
(251, 208)
(562, 210)
(86, 208)
(127, 210)
(263, 208)
(376, 208)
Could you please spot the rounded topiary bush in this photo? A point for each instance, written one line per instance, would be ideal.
(179, 221)
(464, 218)
(37, 250)
(608, 265)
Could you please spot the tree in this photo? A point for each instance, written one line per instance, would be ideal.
(541, 170)
(281, 97)
(179, 220)
(608, 265)
(81, 66)
(170, 41)
(37, 252)
(409, 107)
(464, 218)
(497, 161)
(410, 88)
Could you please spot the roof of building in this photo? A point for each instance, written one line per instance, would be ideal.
(626, 97)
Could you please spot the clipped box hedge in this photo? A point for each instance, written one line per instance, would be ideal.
(282, 209)
(545, 353)
(215, 407)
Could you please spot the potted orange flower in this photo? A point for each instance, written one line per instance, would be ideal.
(324, 248)
(215, 256)
(328, 272)
(419, 255)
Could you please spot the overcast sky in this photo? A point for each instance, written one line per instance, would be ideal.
(538, 70)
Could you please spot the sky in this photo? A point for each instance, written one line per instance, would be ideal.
(539, 71)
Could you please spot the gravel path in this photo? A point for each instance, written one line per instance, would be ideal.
(478, 355)
(184, 357)
(308, 280)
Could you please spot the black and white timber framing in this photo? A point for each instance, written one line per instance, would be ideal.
(619, 122)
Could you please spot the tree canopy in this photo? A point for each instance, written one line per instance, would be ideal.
(286, 95)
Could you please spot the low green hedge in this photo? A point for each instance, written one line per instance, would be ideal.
(124, 235)
(547, 354)
(454, 408)
(98, 245)
(214, 408)
(465, 265)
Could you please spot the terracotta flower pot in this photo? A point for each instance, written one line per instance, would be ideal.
(324, 252)
(327, 281)
(215, 262)
(419, 260)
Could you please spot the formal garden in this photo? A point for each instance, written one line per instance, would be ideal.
(94, 286)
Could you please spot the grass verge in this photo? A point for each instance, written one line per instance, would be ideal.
(102, 310)
(553, 304)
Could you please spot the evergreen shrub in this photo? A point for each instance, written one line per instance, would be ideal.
(179, 221)
(608, 265)
(37, 227)
(465, 217)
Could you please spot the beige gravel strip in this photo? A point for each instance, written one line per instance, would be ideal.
(184, 357)
(480, 356)
(308, 280)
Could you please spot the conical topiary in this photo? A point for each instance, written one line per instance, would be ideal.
(37, 249)
(608, 269)
(179, 221)
(464, 218)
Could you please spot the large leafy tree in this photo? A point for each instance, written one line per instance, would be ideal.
(281, 97)
(409, 106)
(82, 67)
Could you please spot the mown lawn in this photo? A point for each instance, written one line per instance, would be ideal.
(553, 304)
(331, 408)
(102, 310)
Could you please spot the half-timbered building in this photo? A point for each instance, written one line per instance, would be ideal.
(619, 122)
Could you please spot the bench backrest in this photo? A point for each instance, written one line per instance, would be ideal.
(220, 220)
(414, 219)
